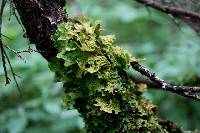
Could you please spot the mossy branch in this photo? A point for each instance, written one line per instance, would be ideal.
(90, 67)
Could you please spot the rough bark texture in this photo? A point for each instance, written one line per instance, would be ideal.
(40, 18)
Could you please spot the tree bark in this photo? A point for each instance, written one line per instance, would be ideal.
(40, 19)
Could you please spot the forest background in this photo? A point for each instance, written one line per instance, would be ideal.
(168, 46)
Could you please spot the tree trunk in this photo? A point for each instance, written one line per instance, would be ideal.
(40, 19)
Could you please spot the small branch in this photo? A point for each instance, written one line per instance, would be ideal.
(177, 12)
(190, 92)
(140, 80)
(3, 3)
(4, 64)
(15, 52)
(12, 71)
(4, 55)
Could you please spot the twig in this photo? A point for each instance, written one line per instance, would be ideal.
(140, 80)
(4, 54)
(4, 64)
(16, 53)
(3, 3)
(5, 36)
(177, 12)
(186, 91)
(12, 71)
(29, 51)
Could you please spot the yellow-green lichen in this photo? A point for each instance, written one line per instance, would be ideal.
(109, 107)
(90, 67)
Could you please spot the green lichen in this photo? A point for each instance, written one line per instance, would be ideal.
(109, 107)
(90, 67)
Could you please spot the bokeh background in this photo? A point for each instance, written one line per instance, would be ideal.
(168, 46)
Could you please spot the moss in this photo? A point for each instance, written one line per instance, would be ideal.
(89, 66)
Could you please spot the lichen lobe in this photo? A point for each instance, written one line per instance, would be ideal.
(89, 65)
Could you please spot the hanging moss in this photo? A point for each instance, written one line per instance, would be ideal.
(90, 67)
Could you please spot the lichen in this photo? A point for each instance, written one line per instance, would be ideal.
(90, 67)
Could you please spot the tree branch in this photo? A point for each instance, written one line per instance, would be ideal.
(141, 80)
(40, 19)
(177, 12)
(190, 92)
(3, 3)
(190, 17)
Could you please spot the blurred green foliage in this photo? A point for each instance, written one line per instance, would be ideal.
(171, 51)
